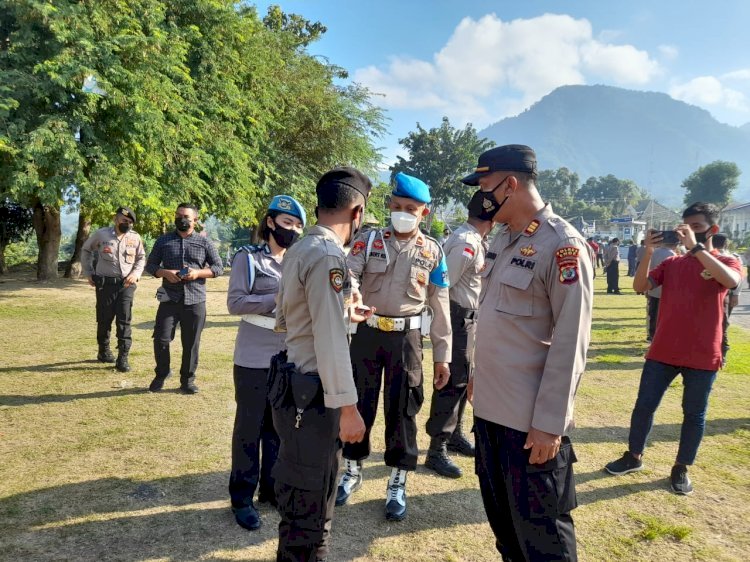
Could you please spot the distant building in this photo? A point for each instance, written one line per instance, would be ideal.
(735, 220)
(656, 215)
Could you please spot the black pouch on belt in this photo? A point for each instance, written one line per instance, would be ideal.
(278, 379)
(306, 387)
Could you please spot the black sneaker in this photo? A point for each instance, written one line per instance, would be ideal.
(158, 383)
(247, 517)
(627, 463)
(458, 443)
(189, 388)
(680, 481)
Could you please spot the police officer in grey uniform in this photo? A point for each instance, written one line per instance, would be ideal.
(253, 286)
(113, 259)
(532, 335)
(312, 389)
(464, 254)
(401, 272)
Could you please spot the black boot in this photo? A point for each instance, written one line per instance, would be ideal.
(458, 442)
(439, 461)
(105, 354)
(122, 364)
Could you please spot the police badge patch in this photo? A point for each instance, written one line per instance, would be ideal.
(358, 247)
(567, 262)
(336, 278)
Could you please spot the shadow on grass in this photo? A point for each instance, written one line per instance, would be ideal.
(620, 489)
(613, 365)
(122, 519)
(25, 400)
(209, 323)
(85, 365)
(666, 432)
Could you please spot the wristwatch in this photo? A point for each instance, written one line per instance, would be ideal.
(697, 248)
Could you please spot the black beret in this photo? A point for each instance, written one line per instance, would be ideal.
(507, 158)
(126, 212)
(344, 176)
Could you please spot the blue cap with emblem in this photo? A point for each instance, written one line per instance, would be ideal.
(411, 187)
(288, 205)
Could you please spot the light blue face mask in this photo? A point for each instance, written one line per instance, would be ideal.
(404, 223)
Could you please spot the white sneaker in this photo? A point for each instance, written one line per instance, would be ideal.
(395, 496)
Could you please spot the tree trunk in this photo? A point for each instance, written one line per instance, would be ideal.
(73, 271)
(3, 267)
(48, 234)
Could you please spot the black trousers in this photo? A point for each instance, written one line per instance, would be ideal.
(613, 277)
(114, 302)
(528, 506)
(392, 360)
(449, 401)
(191, 318)
(253, 430)
(305, 480)
(653, 314)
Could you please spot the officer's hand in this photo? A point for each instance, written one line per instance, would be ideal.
(351, 425)
(441, 374)
(470, 390)
(544, 446)
(360, 313)
(130, 280)
(91, 281)
(170, 275)
(191, 275)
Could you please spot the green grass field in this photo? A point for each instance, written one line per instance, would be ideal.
(93, 467)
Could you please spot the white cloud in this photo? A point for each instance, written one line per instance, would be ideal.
(669, 52)
(710, 91)
(742, 74)
(490, 67)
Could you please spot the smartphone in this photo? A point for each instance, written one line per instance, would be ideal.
(183, 272)
(669, 237)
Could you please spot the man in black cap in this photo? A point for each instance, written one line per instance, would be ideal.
(312, 389)
(533, 331)
(120, 259)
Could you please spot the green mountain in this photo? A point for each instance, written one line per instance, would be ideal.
(648, 137)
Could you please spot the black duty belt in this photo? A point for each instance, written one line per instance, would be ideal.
(103, 281)
(458, 311)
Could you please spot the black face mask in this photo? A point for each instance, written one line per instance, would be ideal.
(182, 224)
(355, 229)
(123, 227)
(483, 204)
(701, 237)
(284, 237)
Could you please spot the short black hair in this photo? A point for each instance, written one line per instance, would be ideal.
(614, 241)
(708, 210)
(719, 240)
(188, 206)
(263, 232)
(340, 197)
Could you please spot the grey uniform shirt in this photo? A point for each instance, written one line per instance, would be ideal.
(254, 345)
(395, 279)
(115, 257)
(611, 253)
(313, 295)
(464, 255)
(534, 326)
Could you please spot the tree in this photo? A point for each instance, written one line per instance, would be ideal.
(712, 183)
(610, 192)
(441, 157)
(558, 187)
(15, 225)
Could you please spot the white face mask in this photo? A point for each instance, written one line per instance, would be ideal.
(404, 222)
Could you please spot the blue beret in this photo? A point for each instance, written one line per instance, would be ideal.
(411, 187)
(288, 205)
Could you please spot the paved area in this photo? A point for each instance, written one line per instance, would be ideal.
(741, 313)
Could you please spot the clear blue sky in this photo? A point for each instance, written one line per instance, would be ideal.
(480, 61)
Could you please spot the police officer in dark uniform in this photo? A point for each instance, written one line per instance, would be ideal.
(464, 254)
(311, 387)
(120, 259)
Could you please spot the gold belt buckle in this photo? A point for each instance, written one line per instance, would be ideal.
(385, 324)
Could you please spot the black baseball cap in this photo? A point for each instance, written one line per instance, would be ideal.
(345, 176)
(126, 212)
(507, 158)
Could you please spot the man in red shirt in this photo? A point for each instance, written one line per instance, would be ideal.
(687, 339)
